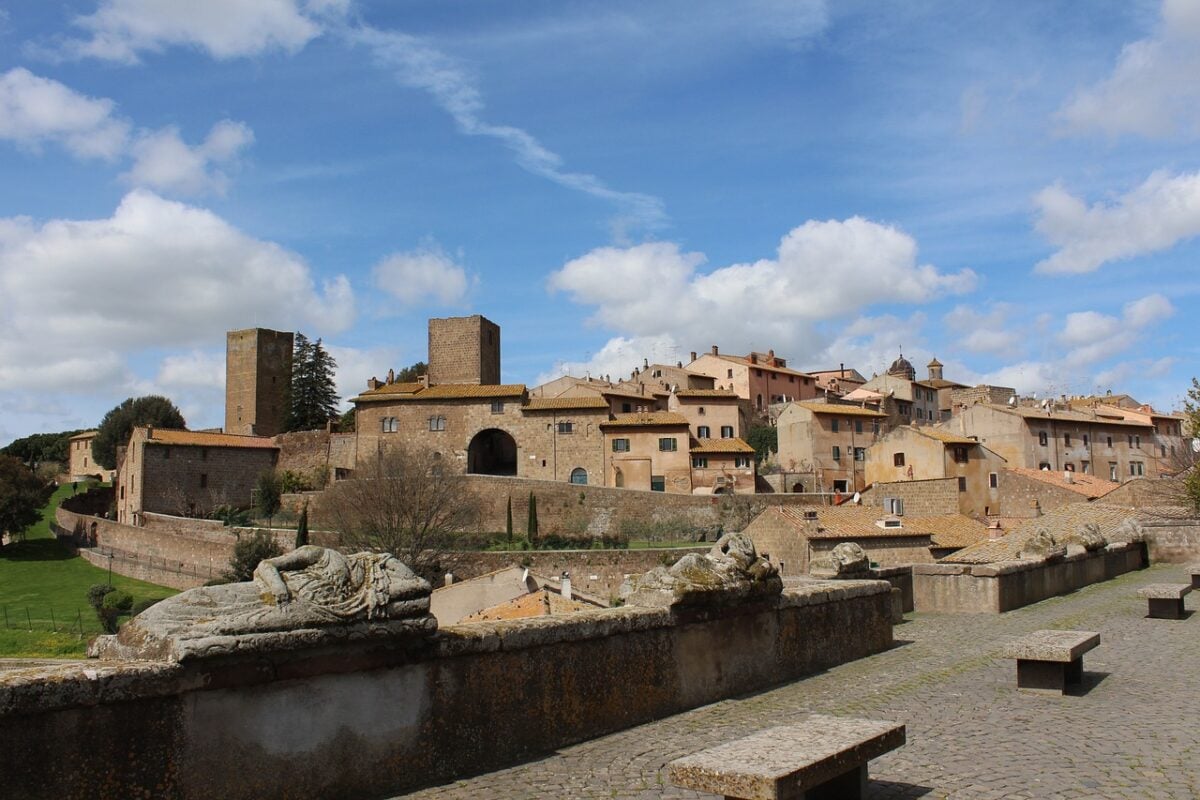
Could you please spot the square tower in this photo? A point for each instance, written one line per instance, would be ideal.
(258, 378)
(464, 350)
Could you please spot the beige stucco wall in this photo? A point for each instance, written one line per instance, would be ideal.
(806, 442)
(644, 456)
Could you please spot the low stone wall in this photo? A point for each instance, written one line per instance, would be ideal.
(372, 720)
(1173, 541)
(1003, 586)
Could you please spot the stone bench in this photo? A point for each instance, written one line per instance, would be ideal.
(1166, 599)
(822, 757)
(1050, 661)
(1194, 571)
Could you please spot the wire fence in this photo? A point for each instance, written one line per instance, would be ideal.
(79, 621)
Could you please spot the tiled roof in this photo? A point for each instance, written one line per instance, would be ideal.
(942, 383)
(535, 604)
(761, 365)
(857, 522)
(834, 408)
(199, 439)
(83, 435)
(646, 419)
(1087, 485)
(944, 436)
(715, 393)
(444, 391)
(721, 446)
(566, 403)
(630, 393)
(1060, 521)
(1064, 416)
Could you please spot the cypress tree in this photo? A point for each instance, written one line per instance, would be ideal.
(508, 526)
(531, 527)
(302, 527)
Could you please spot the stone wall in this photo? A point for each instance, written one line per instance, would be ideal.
(464, 350)
(380, 719)
(1022, 496)
(1004, 586)
(1174, 541)
(316, 454)
(921, 498)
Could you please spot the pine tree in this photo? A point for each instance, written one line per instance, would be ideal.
(314, 399)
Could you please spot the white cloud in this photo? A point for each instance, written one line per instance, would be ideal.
(163, 161)
(420, 276)
(419, 65)
(1095, 337)
(980, 330)
(1159, 213)
(823, 271)
(356, 365)
(34, 110)
(1152, 90)
(79, 297)
(121, 30)
(618, 358)
(871, 343)
(195, 368)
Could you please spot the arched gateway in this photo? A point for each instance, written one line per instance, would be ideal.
(492, 452)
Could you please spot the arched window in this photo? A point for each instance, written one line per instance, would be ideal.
(579, 476)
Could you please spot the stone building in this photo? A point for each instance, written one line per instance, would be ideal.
(1058, 439)
(925, 453)
(670, 378)
(1172, 450)
(762, 379)
(649, 451)
(561, 439)
(464, 350)
(795, 535)
(258, 377)
(910, 400)
(967, 396)
(838, 382)
(188, 473)
(826, 445)
(80, 464)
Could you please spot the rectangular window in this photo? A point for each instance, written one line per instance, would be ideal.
(742, 462)
(626, 408)
(1069, 467)
(203, 480)
(566, 427)
(437, 423)
(1067, 439)
(1043, 439)
(1109, 441)
(658, 483)
(993, 480)
(860, 454)
(962, 484)
(960, 454)
(758, 373)
(833, 425)
(858, 426)
(898, 460)
(699, 462)
(1137, 441)
(1085, 440)
(204, 454)
(728, 373)
(726, 431)
(668, 444)
(702, 432)
(620, 445)
(1112, 470)
(1136, 468)
(497, 406)
(1086, 466)
(166, 453)
(837, 453)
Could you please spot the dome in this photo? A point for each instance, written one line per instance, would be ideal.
(935, 363)
(902, 366)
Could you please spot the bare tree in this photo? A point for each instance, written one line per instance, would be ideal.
(403, 502)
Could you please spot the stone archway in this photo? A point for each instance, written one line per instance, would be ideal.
(492, 452)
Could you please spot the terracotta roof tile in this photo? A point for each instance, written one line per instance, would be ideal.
(721, 446)
(943, 435)
(1087, 485)
(646, 419)
(835, 408)
(565, 403)
(858, 522)
(199, 439)
(444, 391)
(714, 393)
(1065, 416)
(1059, 521)
(535, 604)
(84, 435)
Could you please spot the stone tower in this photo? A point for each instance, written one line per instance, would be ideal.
(935, 370)
(258, 376)
(464, 350)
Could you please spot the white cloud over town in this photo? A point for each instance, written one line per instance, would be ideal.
(79, 298)
(163, 161)
(1163, 211)
(424, 275)
(1152, 90)
(35, 111)
(823, 270)
(124, 30)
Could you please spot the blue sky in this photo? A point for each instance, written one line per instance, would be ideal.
(1012, 187)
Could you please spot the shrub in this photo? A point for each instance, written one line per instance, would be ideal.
(96, 593)
(232, 517)
(112, 605)
(142, 605)
(247, 553)
(118, 600)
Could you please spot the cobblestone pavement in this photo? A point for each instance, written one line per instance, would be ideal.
(1131, 731)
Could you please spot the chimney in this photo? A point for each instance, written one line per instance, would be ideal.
(754, 358)
(678, 365)
(391, 378)
(645, 363)
(566, 586)
(771, 357)
(424, 380)
(1068, 476)
(842, 370)
(995, 531)
(449, 578)
(372, 383)
(693, 355)
(811, 524)
(715, 352)
(149, 431)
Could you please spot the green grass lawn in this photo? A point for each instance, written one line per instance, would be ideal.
(44, 588)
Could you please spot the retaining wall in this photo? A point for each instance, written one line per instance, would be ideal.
(1003, 586)
(371, 720)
